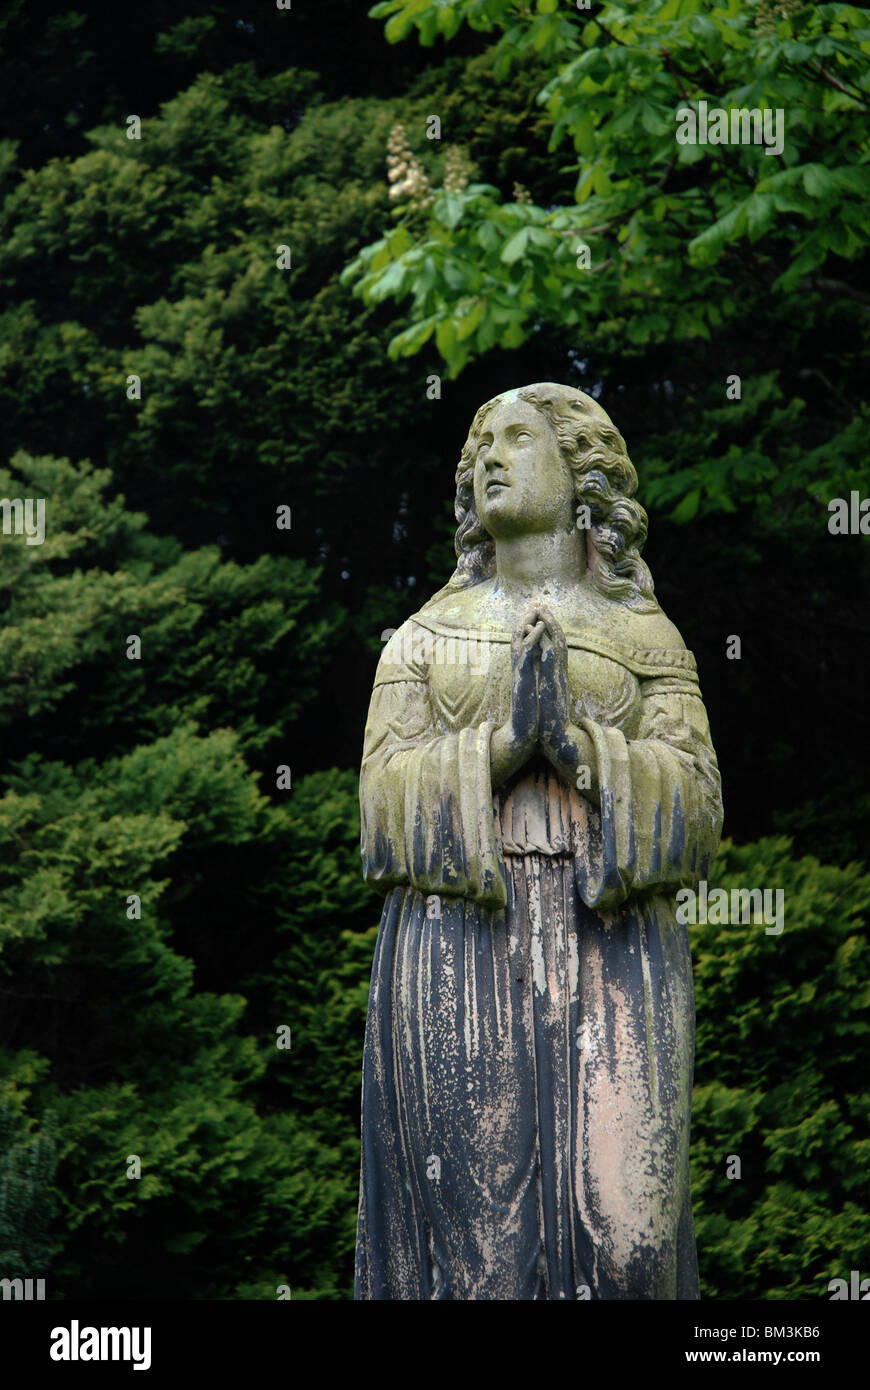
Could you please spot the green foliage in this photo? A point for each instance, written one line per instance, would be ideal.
(229, 1182)
(214, 634)
(141, 886)
(781, 1080)
(164, 253)
(687, 242)
(28, 1238)
(645, 202)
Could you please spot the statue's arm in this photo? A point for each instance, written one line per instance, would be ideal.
(572, 754)
(425, 794)
(674, 715)
(660, 800)
(658, 793)
(674, 771)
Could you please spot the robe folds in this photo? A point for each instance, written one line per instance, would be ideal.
(527, 1073)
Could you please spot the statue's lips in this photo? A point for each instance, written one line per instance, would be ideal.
(496, 482)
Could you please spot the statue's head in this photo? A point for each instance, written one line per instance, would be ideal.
(560, 453)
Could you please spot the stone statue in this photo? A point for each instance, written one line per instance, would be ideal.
(537, 783)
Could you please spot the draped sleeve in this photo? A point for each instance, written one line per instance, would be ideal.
(661, 801)
(425, 794)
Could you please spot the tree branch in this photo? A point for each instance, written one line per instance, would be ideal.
(833, 81)
(840, 287)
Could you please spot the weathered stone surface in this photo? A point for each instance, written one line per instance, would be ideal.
(537, 782)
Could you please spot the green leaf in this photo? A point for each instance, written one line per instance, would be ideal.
(381, 257)
(398, 28)
(388, 282)
(583, 187)
(760, 212)
(487, 236)
(445, 339)
(836, 235)
(448, 209)
(538, 236)
(601, 181)
(688, 507)
(817, 181)
(409, 342)
(466, 323)
(450, 20)
(543, 33)
(515, 246)
(651, 120)
(704, 29)
(514, 335)
(584, 134)
(399, 241)
(455, 276)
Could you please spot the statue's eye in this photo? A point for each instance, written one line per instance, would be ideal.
(523, 434)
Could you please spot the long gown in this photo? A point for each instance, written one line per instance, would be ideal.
(527, 1073)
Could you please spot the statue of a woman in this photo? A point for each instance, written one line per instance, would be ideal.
(537, 783)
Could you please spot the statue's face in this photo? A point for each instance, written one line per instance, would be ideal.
(522, 483)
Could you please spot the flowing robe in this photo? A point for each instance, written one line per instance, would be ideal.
(527, 1073)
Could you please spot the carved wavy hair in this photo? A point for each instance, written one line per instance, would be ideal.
(604, 481)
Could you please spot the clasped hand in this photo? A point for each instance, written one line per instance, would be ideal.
(540, 713)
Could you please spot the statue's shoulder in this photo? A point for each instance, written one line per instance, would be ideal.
(632, 629)
(412, 647)
(653, 632)
(455, 606)
(654, 648)
(442, 606)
